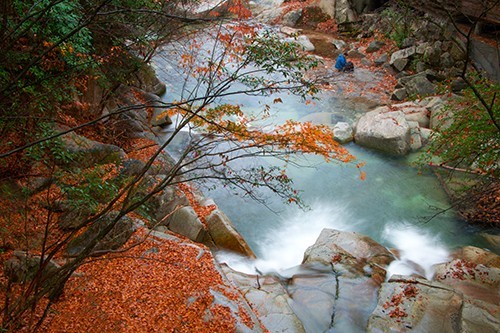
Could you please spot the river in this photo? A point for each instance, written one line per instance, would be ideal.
(398, 205)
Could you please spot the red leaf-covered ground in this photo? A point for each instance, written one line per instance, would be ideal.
(156, 286)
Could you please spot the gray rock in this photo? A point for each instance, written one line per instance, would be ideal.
(446, 60)
(420, 86)
(269, 299)
(384, 131)
(374, 46)
(165, 203)
(22, 267)
(493, 241)
(120, 232)
(224, 235)
(87, 153)
(458, 84)
(400, 64)
(323, 300)
(355, 54)
(420, 67)
(366, 62)
(441, 117)
(291, 18)
(185, 221)
(415, 138)
(480, 317)
(408, 42)
(348, 244)
(132, 167)
(402, 54)
(399, 94)
(457, 51)
(419, 115)
(416, 305)
(428, 74)
(341, 10)
(381, 60)
(303, 41)
(420, 50)
(343, 132)
(339, 44)
(425, 135)
(74, 217)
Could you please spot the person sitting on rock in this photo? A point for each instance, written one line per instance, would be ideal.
(343, 65)
(341, 62)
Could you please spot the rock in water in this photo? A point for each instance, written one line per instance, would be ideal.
(385, 131)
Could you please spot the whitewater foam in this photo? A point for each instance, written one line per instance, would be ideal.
(284, 247)
(418, 251)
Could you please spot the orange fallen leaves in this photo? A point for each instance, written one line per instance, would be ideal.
(157, 286)
(201, 211)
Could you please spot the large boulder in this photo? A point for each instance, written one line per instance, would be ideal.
(160, 115)
(385, 131)
(331, 241)
(414, 112)
(303, 42)
(186, 222)
(323, 299)
(341, 11)
(404, 54)
(420, 86)
(441, 117)
(121, 230)
(164, 203)
(22, 267)
(225, 236)
(86, 153)
(350, 252)
(416, 305)
(374, 46)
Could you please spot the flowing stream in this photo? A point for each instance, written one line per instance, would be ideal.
(394, 205)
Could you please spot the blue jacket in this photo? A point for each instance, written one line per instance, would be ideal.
(340, 63)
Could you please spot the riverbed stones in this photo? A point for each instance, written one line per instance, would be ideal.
(270, 300)
(385, 131)
(343, 132)
(416, 305)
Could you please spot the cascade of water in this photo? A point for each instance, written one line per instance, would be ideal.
(284, 246)
(418, 251)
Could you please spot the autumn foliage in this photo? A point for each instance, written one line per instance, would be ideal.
(157, 285)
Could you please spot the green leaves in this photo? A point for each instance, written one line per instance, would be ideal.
(472, 141)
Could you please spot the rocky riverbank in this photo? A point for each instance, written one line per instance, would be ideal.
(158, 272)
